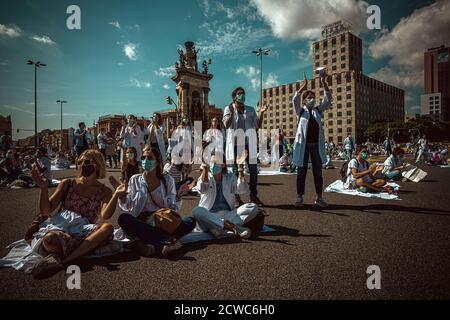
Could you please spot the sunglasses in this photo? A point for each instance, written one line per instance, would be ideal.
(84, 162)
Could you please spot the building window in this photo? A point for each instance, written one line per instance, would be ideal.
(343, 57)
(339, 122)
(316, 46)
(339, 130)
(339, 114)
(349, 113)
(330, 122)
(339, 106)
(339, 89)
(339, 139)
(343, 65)
(325, 61)
(330, 114)
(339, 98)
(334, 68)
(317, 57)
(349, 96)
(330, 131)
(333, 52)
(333, 60)
(343, 49)
(342, 38)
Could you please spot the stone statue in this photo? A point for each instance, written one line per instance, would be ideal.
(191, 55)
(182, 57)
(205, 67)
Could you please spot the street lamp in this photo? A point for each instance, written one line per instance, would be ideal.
(260, 53)
(170, 101)
(36, 66)
(61, 102)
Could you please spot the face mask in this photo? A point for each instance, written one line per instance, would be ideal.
(148, 165)
(215, 169)
(131, 122)
(130, 156)
(87, 170)
(310, 103)
(364, 155)
(240, 98)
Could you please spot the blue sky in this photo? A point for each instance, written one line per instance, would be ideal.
(121, 59)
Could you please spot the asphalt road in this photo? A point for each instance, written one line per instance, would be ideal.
(311, 255)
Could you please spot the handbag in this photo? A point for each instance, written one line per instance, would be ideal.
(165, 219)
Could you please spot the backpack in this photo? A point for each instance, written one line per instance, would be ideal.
(343, 171)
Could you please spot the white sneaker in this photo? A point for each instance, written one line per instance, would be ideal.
(321, 203)
(242, 232)
(299, 202)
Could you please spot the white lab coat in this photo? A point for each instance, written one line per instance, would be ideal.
(231, 185)
(159, 139)
(302, 128)
(251, 122)
(132, 140)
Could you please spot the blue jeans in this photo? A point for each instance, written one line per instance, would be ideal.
(313, 150)
(135, 228)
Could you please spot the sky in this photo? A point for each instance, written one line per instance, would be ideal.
(122, 58)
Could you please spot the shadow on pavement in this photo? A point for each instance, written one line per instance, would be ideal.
(385, 207)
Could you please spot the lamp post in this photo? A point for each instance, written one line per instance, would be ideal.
(61, 102)
(260, 53)
(36, 66)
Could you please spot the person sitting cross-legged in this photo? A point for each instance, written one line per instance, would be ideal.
(361, 174)
(216, 213)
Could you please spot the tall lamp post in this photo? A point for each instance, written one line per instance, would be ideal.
(61, 102)
(260, 53)
(36, 66)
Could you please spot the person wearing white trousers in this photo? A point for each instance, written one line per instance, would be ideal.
(216, 213)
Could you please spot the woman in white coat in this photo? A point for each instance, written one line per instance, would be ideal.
(155, 132)
(132, 137)
(216, 213)
(310, 139)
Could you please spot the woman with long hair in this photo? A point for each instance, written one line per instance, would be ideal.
(147, 193)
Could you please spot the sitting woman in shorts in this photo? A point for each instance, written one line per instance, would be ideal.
(361, 174)
(83, 196)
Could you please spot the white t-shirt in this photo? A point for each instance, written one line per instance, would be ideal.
(360, 167)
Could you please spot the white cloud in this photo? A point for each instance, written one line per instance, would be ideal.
(303, 19)
(120, 64)
(139, 84)
(115, 24)
(271, 80)
(251, 73)
(12, 31)
(165, 71)
(405, 44)
(234, 37)
(399, 77)
(43, 39)
(130, 51)
(166, 86)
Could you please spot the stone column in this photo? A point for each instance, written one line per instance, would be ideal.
(205, 102)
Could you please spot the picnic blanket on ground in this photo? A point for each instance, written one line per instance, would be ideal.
(338, 187)
(274, 173)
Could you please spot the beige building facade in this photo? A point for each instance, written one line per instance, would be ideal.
(358, 100)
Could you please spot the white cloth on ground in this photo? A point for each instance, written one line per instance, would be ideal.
(338, 187)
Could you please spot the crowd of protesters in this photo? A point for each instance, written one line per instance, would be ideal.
(154, 180)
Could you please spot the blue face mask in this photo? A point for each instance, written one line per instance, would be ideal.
(148, 165)
(364, 155)
(240, 98)
(215, 169)
(310, 103)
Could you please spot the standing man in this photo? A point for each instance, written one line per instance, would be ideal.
(239, 116)
(423, 149)
(349, 146)
(101, 142)
(81, 139)
(387, 145)
(310, 139)
(155, 133)
(131, 134)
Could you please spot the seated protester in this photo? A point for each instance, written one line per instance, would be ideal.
(61, 161)
(83, 196)
(216, 213)
(285, 163)
(394, 165)
(443, 156)
(147, 193)
(130, 166)
(178, 172)
(44, 164)
(361, 174)
(10, 168)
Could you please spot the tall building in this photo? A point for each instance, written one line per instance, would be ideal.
(435, 102)
(358, 100)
